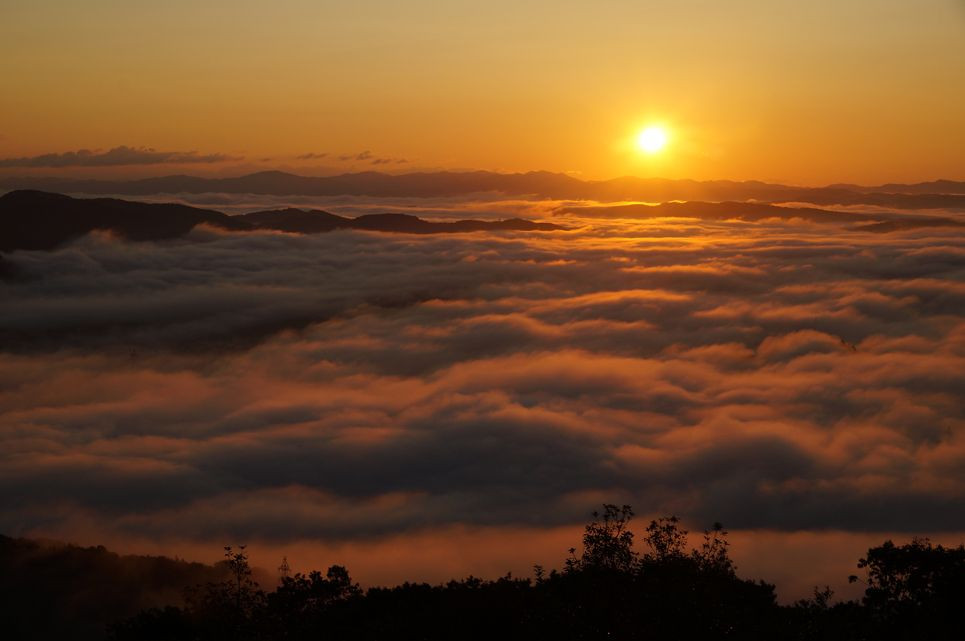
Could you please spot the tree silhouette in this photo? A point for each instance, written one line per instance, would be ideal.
(915, 590)
(228, 609)
(608, 541)
(667, 540)
(713, 555)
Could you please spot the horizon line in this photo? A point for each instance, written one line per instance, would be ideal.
(13, 177)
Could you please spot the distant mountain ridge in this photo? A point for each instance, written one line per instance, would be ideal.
(542, 184)
(720, 211)
(879, 222)
(41, 221)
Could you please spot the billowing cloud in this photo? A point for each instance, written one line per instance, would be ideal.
(118, 156)
(352, 387)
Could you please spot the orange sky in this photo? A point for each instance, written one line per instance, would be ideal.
(865, 90)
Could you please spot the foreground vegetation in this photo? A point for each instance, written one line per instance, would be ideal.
(607, 591)
(915, 591)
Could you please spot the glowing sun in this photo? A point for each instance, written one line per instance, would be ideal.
(652, 139)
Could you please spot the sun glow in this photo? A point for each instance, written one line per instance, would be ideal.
(652, 139)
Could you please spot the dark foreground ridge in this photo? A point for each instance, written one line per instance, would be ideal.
(41, 221)
(542, 184)
(608, 591)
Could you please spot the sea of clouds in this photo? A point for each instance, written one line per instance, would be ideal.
(352, 387)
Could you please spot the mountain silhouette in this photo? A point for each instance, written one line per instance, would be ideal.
(41, 221)
(314, 221)
(294, 220)
(718, 211)
(882, 223)
(543, 184)
(908, 224)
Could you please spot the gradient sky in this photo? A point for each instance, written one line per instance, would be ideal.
(800, 92)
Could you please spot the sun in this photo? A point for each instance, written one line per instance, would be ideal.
(652, 139)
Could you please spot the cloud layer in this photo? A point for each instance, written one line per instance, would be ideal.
(362, 156)
(776, 375)
(116, 157)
